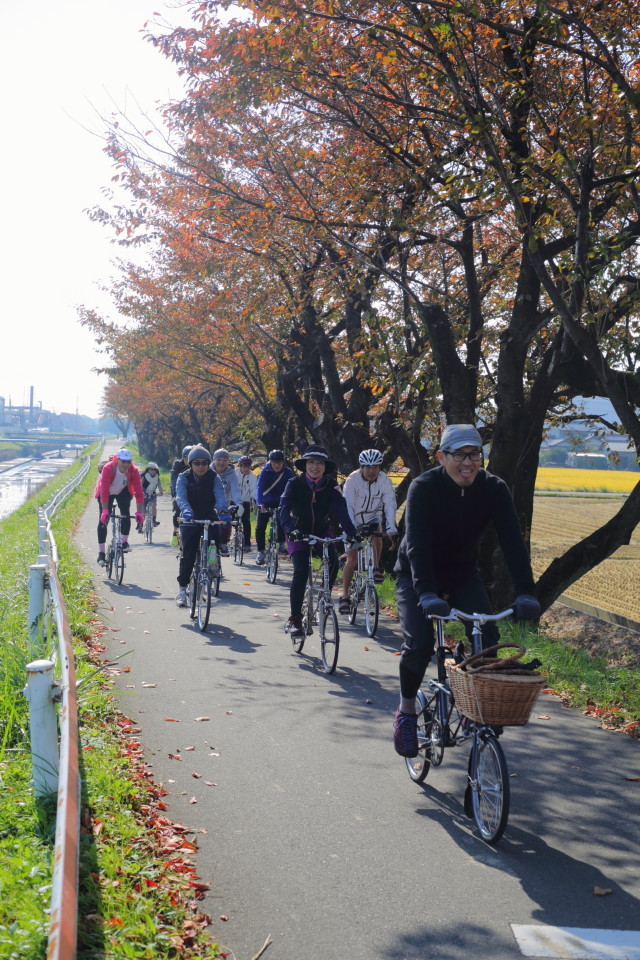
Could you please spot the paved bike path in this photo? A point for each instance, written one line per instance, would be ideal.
(313, 834)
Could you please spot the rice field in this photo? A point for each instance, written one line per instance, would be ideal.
(559, 522)
(586, 481)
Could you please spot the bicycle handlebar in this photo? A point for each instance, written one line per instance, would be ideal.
(473, 617)
(205, 523)
(311, 538)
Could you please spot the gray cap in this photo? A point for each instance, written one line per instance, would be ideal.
(458, 435)
(199, 453)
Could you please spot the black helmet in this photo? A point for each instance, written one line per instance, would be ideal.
(276, 455)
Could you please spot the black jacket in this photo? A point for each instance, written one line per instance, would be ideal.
(177, 467)
(443, 526)
(311, 508)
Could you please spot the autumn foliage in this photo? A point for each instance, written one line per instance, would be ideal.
(368, 220)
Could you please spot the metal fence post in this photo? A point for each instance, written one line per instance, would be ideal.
(43, 723)
(37, 574)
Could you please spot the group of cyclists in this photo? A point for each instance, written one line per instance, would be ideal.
(448, 509)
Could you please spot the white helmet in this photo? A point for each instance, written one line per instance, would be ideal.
(370, 458)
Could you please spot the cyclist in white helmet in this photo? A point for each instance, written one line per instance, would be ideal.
(371, 501)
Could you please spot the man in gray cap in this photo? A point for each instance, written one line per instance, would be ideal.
(448, 510)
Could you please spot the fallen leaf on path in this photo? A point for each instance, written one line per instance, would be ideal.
(365, 648)
(149, 684)
(543, 716)
(197, 776)
(146, 631)
(171, 720)
(173, 756)
(210, 783)
(368, 701)
(131, 686)
(199, 719)
(193, 800)
(632, 778)
(189, 748)
(126, 669)
(602, 891)
(214, 754)
(229, 713)
(223, 916)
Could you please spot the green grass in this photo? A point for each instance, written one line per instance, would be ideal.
(134, 901)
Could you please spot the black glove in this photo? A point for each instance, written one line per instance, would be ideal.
(433, 605)
(526, 607)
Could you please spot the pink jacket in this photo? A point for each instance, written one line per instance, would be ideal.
(134, 484)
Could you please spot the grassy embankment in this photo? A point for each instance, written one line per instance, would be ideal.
(137, 884)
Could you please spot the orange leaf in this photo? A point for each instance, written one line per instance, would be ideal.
(171, 720)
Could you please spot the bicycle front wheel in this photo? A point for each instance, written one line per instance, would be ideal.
(203, 600)
(148, 529)
(371, 609)
(272, 563)
(108, 562)
(418, 767)
(490, 792)
(192, 594)
(329, 637)
(238, 547)
(118, 562)
(354, 598)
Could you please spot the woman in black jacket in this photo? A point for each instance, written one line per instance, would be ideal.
(309, 504)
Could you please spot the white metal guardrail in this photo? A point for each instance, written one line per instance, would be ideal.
(55, 764)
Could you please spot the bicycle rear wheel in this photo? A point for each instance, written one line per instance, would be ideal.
(272, 563)
(490, 791)
(118, 562)
(418, 767)
(215, 580)
(329, 637)
(371, 609)
(203, 600)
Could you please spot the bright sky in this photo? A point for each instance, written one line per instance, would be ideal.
(59, 64)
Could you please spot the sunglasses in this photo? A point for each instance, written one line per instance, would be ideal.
(199, 463)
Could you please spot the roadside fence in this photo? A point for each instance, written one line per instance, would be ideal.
(53, 721)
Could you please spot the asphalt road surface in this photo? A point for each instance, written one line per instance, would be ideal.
(316, 838)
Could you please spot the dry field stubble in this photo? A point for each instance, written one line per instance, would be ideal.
(559, 522)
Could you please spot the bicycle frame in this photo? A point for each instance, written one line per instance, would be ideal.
(205, 579)
(318, 606)
(362, 587)
(114, 556)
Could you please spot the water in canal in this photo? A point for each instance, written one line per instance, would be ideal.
(20, 481)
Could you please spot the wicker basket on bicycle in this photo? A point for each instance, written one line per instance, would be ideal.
(495, 691)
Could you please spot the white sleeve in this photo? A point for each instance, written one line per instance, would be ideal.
(390, 506)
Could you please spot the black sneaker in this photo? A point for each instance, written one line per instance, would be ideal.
(294, 628)
(405, 734)
(126, 548)
(101, 559)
